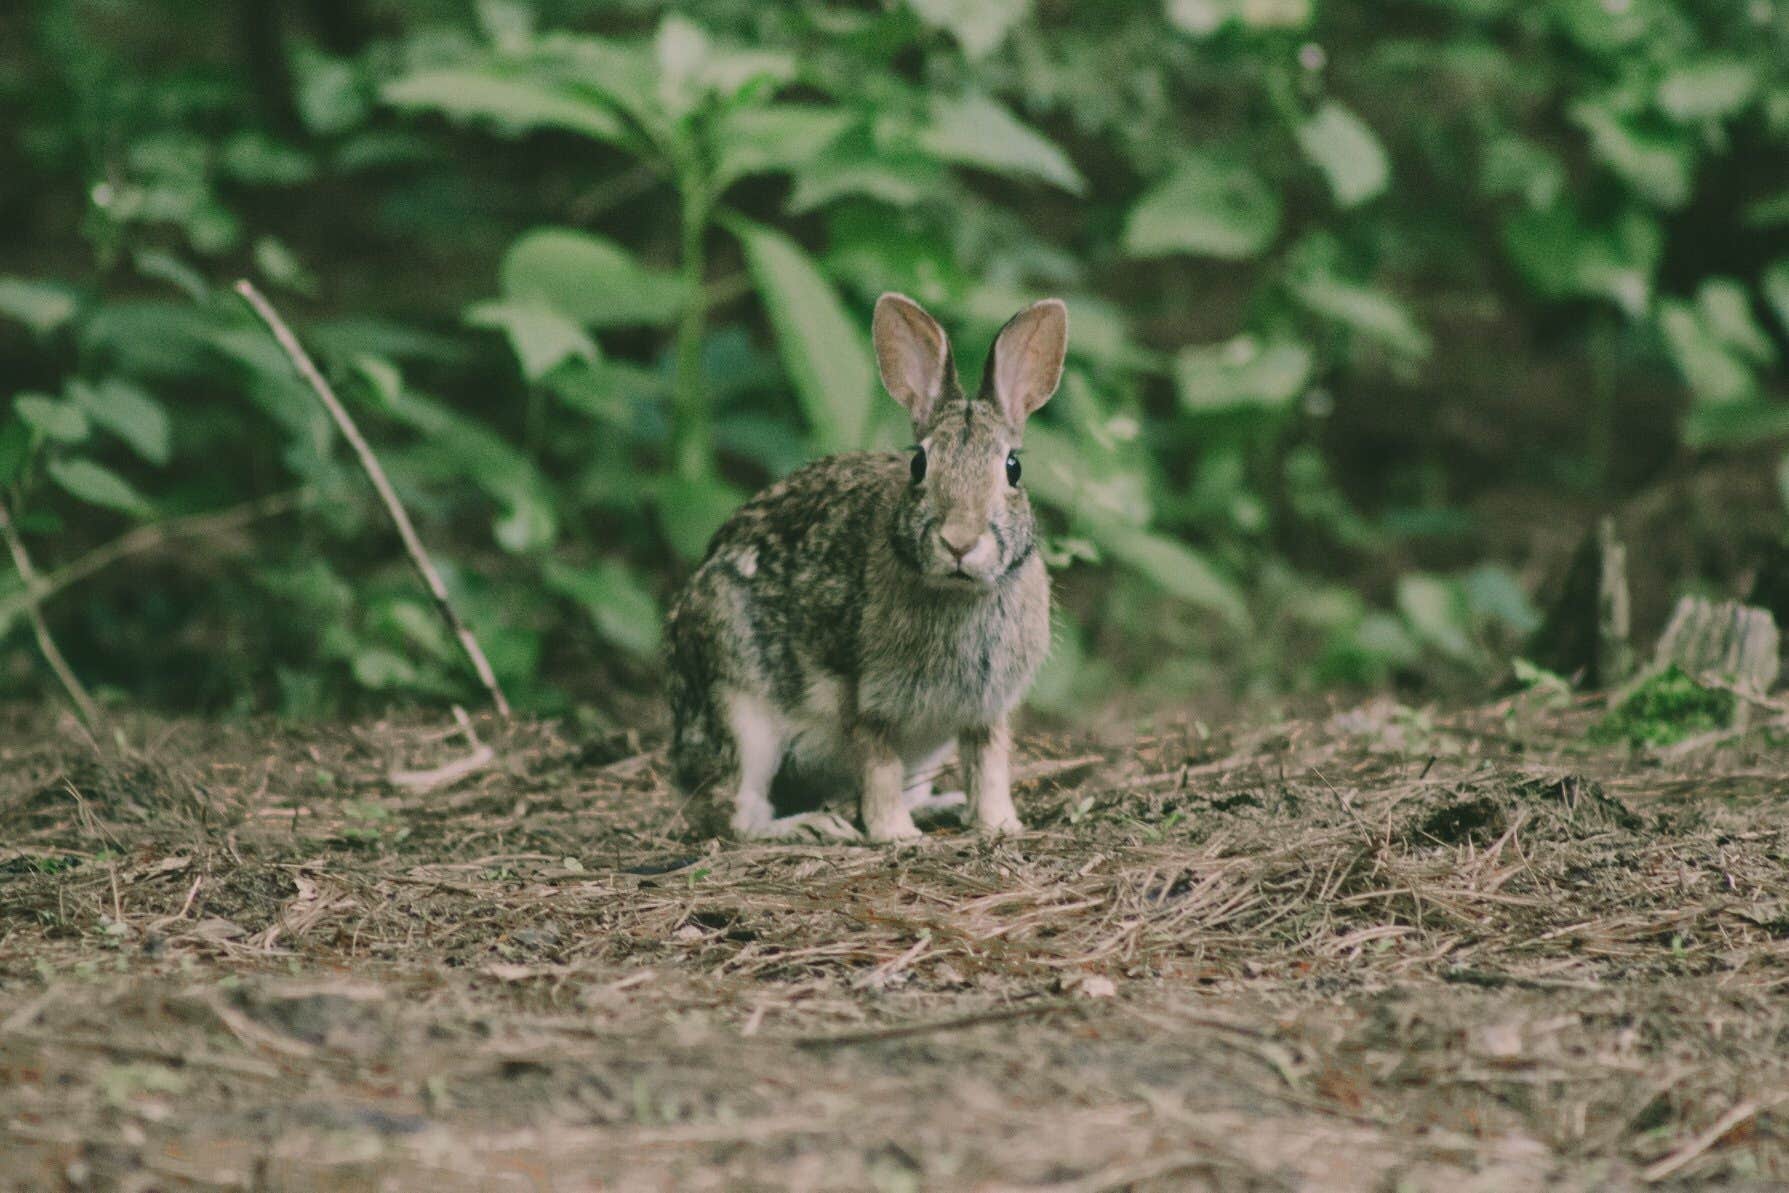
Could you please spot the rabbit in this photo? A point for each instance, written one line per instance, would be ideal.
(872, 611)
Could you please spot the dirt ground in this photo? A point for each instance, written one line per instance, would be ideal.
(1382, 950)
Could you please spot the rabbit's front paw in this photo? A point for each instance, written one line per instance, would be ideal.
(893, 829)
(1007, 825)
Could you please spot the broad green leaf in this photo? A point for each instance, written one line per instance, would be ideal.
(517, 103)
(1181, 571)
(821, 346)
(974, 130)
(896, 179)
(1364, 309)
(774, 138)
(1657, 166)
(41, 306)
(690, 511)
(692, 67)
(1707, 89)
(1492, 591)
(588, 279)
(616, 600)
(455, 446)
(52, 418)
(979, 26)
(126, 409)
(1714, 373)
(1241, 372)
(1775, 285)
(1202, 18)
(1563, 257)
(98, 485)
(1210, 206)
(540, 336)
(1726, 311)
(1437, 614)
(1347, 151)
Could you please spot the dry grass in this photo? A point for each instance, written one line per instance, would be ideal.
(1381, 951)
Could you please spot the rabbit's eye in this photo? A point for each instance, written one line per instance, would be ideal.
(919, 464)
(1012, 468)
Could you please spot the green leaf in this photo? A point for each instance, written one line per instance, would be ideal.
(774, 138)
(1726, 311)
(1775, 285)
(979, 26)
(1202, 18)
(1563, 257)
(1437, 614)
(1714, 373)
(56, 421)
(1181, 571)
(588, 279)
(1210, 206)
(1658, 166)
(1364, 309)
(691, 510)
(692, 67)
(1347, 151)
(974, 130)
(540, 336)
(98, 485)
(514, 103)
(1707, 89)
(821, 346)
(898, 180)
(41, 306)
(1241, 372)
(618, 603)
(126, 409)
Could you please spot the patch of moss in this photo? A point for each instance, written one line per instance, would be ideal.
(1666, 708)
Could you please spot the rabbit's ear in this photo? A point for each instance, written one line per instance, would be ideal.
(913, 354)
(1026, 363)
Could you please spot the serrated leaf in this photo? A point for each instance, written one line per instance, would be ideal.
(979, 26)
(821, 346)
(588, 279)
(41, 306)
(98, 485)
(129, 412)
(1348, 152)
(975, 130)
(1241, 372)
(1210, 206)
(55, 420)
(622, 608)
(514, 103)
(540, 336)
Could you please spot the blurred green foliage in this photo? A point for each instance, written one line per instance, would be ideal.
(592, 272)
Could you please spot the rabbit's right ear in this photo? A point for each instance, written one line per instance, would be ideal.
(913, 354)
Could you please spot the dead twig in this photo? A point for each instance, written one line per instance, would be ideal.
(1699, 1144)
(148, 538)
(419, 556)
(46, 645)
(958, 1023)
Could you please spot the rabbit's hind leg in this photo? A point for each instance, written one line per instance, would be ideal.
(760, 739)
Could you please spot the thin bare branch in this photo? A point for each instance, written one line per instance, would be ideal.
(419, 556)
(33, 597)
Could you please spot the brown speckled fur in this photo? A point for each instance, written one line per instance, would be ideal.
(822, 599)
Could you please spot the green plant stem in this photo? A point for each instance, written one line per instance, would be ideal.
(692, 450)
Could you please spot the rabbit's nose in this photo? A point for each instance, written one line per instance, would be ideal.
(959, 542)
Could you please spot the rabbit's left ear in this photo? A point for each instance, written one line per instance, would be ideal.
(1026, 363)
